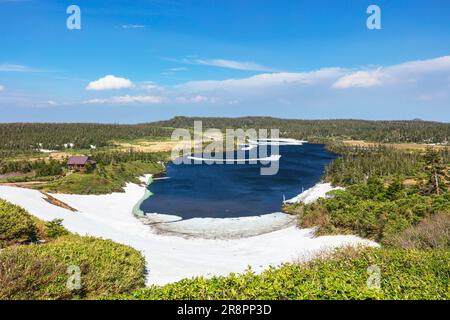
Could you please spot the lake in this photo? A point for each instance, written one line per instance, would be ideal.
(226, 191)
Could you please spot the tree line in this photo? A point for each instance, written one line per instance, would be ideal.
(32, 136)
(40, 167)
(417, 131)
(357, 165)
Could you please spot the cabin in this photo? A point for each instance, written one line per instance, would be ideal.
(79, 163)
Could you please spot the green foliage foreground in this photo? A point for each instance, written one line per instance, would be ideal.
(405, 274)
(41, 271)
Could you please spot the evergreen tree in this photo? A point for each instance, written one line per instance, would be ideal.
(437, 177)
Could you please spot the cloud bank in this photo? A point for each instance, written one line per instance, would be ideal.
(421, 80)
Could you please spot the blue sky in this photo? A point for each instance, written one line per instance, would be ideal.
(145, 60)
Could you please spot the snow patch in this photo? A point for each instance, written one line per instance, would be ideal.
(320, 190)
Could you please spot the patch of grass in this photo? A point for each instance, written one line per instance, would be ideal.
(41, 271)
(405, 274)
(104, 179)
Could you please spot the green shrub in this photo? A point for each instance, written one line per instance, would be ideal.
(16, 225)
(55, 229)
(405, 274)
(41, 271)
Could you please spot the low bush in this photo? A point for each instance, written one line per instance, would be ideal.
(16, 225)
(405, 274)
(431, 233)
(43, 271)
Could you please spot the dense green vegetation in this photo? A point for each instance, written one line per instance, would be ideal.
(27, 137)
(39, 168)
(40, 270)
(371, 210)
(103, 179)
(405, 274)
(357, 164)
(377, 131)
(377, 203)
(114, 169)
(30, 136)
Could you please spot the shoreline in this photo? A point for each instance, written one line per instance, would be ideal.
(226, 228)
(171, 258)
(146, 180)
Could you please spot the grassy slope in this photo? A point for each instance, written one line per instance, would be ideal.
(40, 271)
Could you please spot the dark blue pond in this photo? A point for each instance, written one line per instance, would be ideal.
(224, 190)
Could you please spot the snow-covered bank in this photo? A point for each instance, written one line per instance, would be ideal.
(312, 194)
(212, 228)
(171, 258)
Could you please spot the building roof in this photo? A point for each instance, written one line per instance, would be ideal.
(77, 160)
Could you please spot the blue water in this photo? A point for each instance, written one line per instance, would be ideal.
(224, 190)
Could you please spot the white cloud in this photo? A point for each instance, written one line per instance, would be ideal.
(360, 79)
(224, 63)
(177, 69)
(408, 72)
(196, 99)
(265, 80)
(231, 64)
(422, 66)
(2, 88)
(8, 67)
(132, 26)
(149, 86)
(433, 96)
(128, 99)
(110, 82)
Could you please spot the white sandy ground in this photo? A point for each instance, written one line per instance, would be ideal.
(171, 258)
